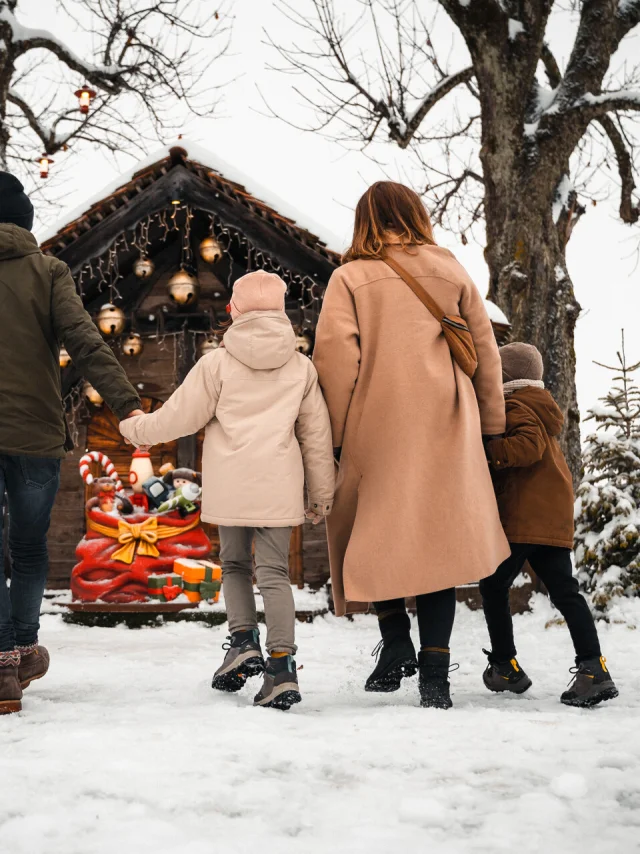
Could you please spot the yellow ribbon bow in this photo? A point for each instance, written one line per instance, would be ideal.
(141, 537)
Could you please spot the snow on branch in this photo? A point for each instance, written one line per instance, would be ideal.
(439, 91)
(24, 39)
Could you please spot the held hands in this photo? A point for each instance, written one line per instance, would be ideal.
(133, 414)
(314, 518)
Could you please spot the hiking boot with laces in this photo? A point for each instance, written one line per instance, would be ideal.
(505, 676)
(434, 679)
(591, 684)
(243, 659)
(396, 654)
(34, 664)
(10, 690)
(280, 686)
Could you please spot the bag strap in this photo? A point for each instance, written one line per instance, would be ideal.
(416, 287)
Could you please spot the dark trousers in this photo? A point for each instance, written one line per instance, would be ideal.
(436, 613)
(553, 566)
(30, 484)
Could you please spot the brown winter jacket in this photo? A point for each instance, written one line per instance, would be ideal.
(39, 310)
(531, 477)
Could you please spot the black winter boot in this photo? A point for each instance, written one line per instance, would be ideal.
(505, 676)
(396, 655)
(243, 659)
(591, 684)
(434, 679)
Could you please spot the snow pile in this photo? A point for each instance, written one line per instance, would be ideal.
(496, 315)
(125, 747)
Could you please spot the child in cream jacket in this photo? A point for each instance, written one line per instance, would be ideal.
(267, 432)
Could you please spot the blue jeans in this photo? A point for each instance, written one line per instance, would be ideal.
(30, 484)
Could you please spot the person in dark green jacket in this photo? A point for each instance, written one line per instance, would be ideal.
(39, 310)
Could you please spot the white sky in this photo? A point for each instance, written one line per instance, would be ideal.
(323, 179)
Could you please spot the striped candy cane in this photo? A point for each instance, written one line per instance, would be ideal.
(105, 462)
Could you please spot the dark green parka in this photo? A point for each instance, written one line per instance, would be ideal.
(40, 310)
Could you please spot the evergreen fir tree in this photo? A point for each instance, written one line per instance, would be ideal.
(608, 501)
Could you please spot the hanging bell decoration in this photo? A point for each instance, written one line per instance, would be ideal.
(132, 345)
(143, 267)
(111, 320)
(91, 395)
(209, 344)
(304, 343)
(210, 250)
(64, 357)
(184, 288)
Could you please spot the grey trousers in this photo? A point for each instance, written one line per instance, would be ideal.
(272, 574)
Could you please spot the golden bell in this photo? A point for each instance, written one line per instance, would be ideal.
(132, 345)
(209, 344)
(90, 393)
(304, 344)
(184, 288)
(111, 320)
(64, 357)
(210, 250)
(143, 267)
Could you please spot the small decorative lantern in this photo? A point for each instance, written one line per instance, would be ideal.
(141, 469)
(210, 250)
(91, 395)
(85, 96)
(143, 267)
(184, 288)
(132, 345)
(111, 320)
(209, 344)
(64, 357)
(44, 161)
(304, 343)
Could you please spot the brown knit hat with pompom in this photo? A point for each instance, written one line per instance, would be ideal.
(521, 362)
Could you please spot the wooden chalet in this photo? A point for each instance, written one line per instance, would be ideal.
(178, 214)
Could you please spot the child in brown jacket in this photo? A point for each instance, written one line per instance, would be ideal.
(535, 498)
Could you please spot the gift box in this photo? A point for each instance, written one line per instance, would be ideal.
(165, 587)
(202, 579)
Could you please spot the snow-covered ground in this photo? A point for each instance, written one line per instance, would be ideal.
(125, 748)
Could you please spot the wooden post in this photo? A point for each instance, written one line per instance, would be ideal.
(296, 566)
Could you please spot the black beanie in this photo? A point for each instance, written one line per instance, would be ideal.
(15, 206)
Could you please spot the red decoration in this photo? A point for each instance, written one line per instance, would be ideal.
(99, 576)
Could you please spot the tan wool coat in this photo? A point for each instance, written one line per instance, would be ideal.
(267, 427)
(415, 509)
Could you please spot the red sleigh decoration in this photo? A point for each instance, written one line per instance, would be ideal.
(118, 554)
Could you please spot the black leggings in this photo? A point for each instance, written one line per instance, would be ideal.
(436, 612)
(553, 566)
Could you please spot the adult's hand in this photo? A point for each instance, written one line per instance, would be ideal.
(132, 414)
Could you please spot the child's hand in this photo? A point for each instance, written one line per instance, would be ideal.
(314, 518)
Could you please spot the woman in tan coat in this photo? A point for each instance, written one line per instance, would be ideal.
(415, 512)
(267, 431)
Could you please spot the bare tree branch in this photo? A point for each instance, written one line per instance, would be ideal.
(629, 212)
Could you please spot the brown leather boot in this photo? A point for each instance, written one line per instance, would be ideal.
(33, 665)
(10, 690)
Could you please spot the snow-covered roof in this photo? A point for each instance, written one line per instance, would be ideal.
(199, 154)
(496, 315)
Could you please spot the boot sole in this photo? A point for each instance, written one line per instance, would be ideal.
(517, 688)
(234, 680)
(28, 682)
(8, 707)
(389, 682)
(590, 702)
(287, 695)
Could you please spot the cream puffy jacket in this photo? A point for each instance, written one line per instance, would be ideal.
(267, 426)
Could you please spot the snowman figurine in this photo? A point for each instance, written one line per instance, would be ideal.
(141, 469)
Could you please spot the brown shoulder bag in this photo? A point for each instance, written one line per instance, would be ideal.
(454, 328)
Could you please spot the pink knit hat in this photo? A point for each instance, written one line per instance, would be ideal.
(259, 291)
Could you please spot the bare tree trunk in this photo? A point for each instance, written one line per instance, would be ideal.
(529, 281)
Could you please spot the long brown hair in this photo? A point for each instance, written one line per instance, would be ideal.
(385, 208)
